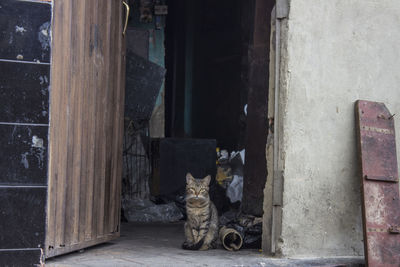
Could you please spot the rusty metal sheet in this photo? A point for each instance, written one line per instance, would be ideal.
(380, 188)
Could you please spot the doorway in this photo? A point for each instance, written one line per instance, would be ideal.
(210, 105)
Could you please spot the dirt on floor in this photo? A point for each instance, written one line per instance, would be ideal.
(160, 245)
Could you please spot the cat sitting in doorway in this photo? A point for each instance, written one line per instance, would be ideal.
(201, 227)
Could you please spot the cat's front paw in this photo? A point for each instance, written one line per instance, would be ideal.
(187, 245)
(192, 246)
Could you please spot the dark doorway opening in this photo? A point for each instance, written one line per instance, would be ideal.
(217, 60)
(216, 57)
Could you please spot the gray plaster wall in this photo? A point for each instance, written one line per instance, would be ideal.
(338, 51)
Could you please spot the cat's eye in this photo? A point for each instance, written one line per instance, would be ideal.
(191, 190)
(202, 190)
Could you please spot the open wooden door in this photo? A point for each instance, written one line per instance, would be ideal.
(86, 124)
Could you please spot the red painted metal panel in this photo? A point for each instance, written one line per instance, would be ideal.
(380, 188)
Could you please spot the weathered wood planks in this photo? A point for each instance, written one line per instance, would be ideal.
(86, 124)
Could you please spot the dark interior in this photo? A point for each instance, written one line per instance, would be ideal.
(204, 94)
(215, 93)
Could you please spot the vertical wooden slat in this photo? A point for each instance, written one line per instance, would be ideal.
(72, 119)
(113, 48)
(86, 125)
(92, 123)
(62, 130)
(109, 111)
(77, 64)
(119, 121)
(98, 172)
(97, 115)
(104, 25)
(55, 118)
(116, 158)
(83, 216)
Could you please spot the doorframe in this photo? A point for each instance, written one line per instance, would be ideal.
(273, 193)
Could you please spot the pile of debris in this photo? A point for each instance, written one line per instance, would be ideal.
(237, 230)
(240, 231)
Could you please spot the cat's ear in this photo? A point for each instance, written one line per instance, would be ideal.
(207, 180)
(189, 178)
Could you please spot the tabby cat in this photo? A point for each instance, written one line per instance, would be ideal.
(201, 227)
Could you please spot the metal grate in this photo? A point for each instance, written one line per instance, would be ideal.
(137, 160)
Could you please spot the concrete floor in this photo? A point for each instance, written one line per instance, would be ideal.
(159, 245)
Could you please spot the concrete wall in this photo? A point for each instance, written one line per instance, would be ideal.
(337, 52)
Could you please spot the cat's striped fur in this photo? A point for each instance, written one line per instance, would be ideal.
(201, 227)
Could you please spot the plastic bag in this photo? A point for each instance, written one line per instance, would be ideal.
(235, 189)
(146, 211)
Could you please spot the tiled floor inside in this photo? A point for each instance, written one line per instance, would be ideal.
(159, 245)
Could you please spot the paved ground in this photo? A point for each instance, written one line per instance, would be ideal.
(159, 245)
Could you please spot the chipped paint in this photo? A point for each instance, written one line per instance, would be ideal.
(37, 142)
(45, 32)
(24, 160)
(20, 57)
(42, 257)
(38, 151)
(43, 79)
(19, 29)
(375, 211)
(44, 36)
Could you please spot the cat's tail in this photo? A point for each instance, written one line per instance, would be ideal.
(195, 246)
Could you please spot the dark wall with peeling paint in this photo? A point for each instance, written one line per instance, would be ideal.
(24, 118)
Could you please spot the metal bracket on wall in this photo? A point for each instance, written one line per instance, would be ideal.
(278, 189)
(282, 9)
